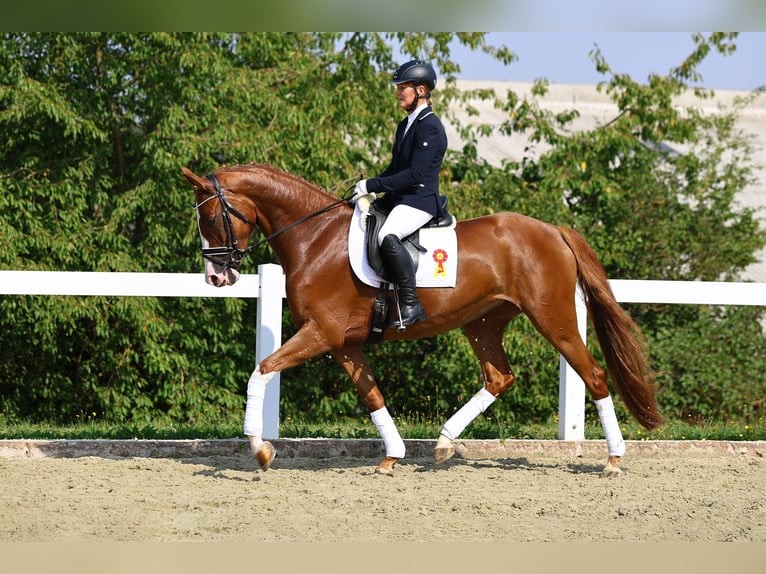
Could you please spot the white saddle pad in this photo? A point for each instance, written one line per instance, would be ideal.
(437, 267)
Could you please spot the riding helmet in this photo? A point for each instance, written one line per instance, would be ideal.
(417, 72)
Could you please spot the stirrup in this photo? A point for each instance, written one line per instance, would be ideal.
(418, 313)
(400, 323)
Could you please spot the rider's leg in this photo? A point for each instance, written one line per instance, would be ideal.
(403, 271)
(401, 222)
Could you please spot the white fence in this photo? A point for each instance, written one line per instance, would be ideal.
(269, 287)
(571, 387)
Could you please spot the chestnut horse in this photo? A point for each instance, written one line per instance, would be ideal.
(509, 264)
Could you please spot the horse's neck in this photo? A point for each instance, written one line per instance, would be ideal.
(284, 201)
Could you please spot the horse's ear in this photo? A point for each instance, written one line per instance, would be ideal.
(197, 182)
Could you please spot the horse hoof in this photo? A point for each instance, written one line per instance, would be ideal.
(612, 468)
(386, 468)
(265, 455)
(443, 454)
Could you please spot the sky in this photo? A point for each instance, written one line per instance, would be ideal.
(562, 58)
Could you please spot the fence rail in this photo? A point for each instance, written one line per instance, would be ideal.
(269, 287)
(571, 386)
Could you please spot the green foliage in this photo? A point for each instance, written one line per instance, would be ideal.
(97, 126)
(713, 365)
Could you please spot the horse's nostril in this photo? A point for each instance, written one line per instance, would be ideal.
(214, 280)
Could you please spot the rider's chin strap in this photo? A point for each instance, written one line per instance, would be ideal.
(414, 105)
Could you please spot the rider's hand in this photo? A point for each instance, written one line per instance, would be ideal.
(360, 188)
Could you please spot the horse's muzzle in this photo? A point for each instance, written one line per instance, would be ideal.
(219, 275)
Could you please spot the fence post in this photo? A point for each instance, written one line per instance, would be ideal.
(268, 338)
(571, 386)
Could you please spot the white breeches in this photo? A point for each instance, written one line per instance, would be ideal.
(403, 221)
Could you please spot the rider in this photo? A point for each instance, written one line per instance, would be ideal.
(411, 180)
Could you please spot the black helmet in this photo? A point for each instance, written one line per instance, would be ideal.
(415, 71)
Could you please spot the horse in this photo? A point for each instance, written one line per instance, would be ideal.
(509, 264)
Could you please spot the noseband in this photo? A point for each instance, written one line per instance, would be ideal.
(231, 249)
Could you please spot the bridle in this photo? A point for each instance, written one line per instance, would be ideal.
(231, 249)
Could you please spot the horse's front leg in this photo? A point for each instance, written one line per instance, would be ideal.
(298, 349)
(353, 361)
(263, 451)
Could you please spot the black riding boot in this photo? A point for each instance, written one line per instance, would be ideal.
(399, 263)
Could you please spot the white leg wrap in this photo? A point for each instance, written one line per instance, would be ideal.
(256, 391)
(388, 432)
(614, 442)
(478, 403)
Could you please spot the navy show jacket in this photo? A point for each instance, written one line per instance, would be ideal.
(412, 177)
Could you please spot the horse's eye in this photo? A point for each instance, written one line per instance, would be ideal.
(210, 221)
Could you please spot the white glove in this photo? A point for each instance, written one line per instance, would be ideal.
(360, 188)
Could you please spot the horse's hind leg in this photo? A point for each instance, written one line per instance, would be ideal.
(563, 334)
(353, 361)
(486, 338)
(593, 375)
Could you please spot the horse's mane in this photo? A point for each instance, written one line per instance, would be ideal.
(283, 176)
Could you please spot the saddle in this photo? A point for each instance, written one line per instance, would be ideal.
(376, 217)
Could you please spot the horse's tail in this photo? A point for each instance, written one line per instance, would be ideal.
(624, 347)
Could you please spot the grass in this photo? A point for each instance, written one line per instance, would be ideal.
(362, 428)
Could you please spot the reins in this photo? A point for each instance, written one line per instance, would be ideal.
(231, 249)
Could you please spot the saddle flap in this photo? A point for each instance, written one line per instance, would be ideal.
(375, 220)
(437, 266)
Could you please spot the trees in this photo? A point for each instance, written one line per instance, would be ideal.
(96, 128)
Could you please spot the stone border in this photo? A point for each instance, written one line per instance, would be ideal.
(359, 448)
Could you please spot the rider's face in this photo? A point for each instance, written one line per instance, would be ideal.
(405, 93)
